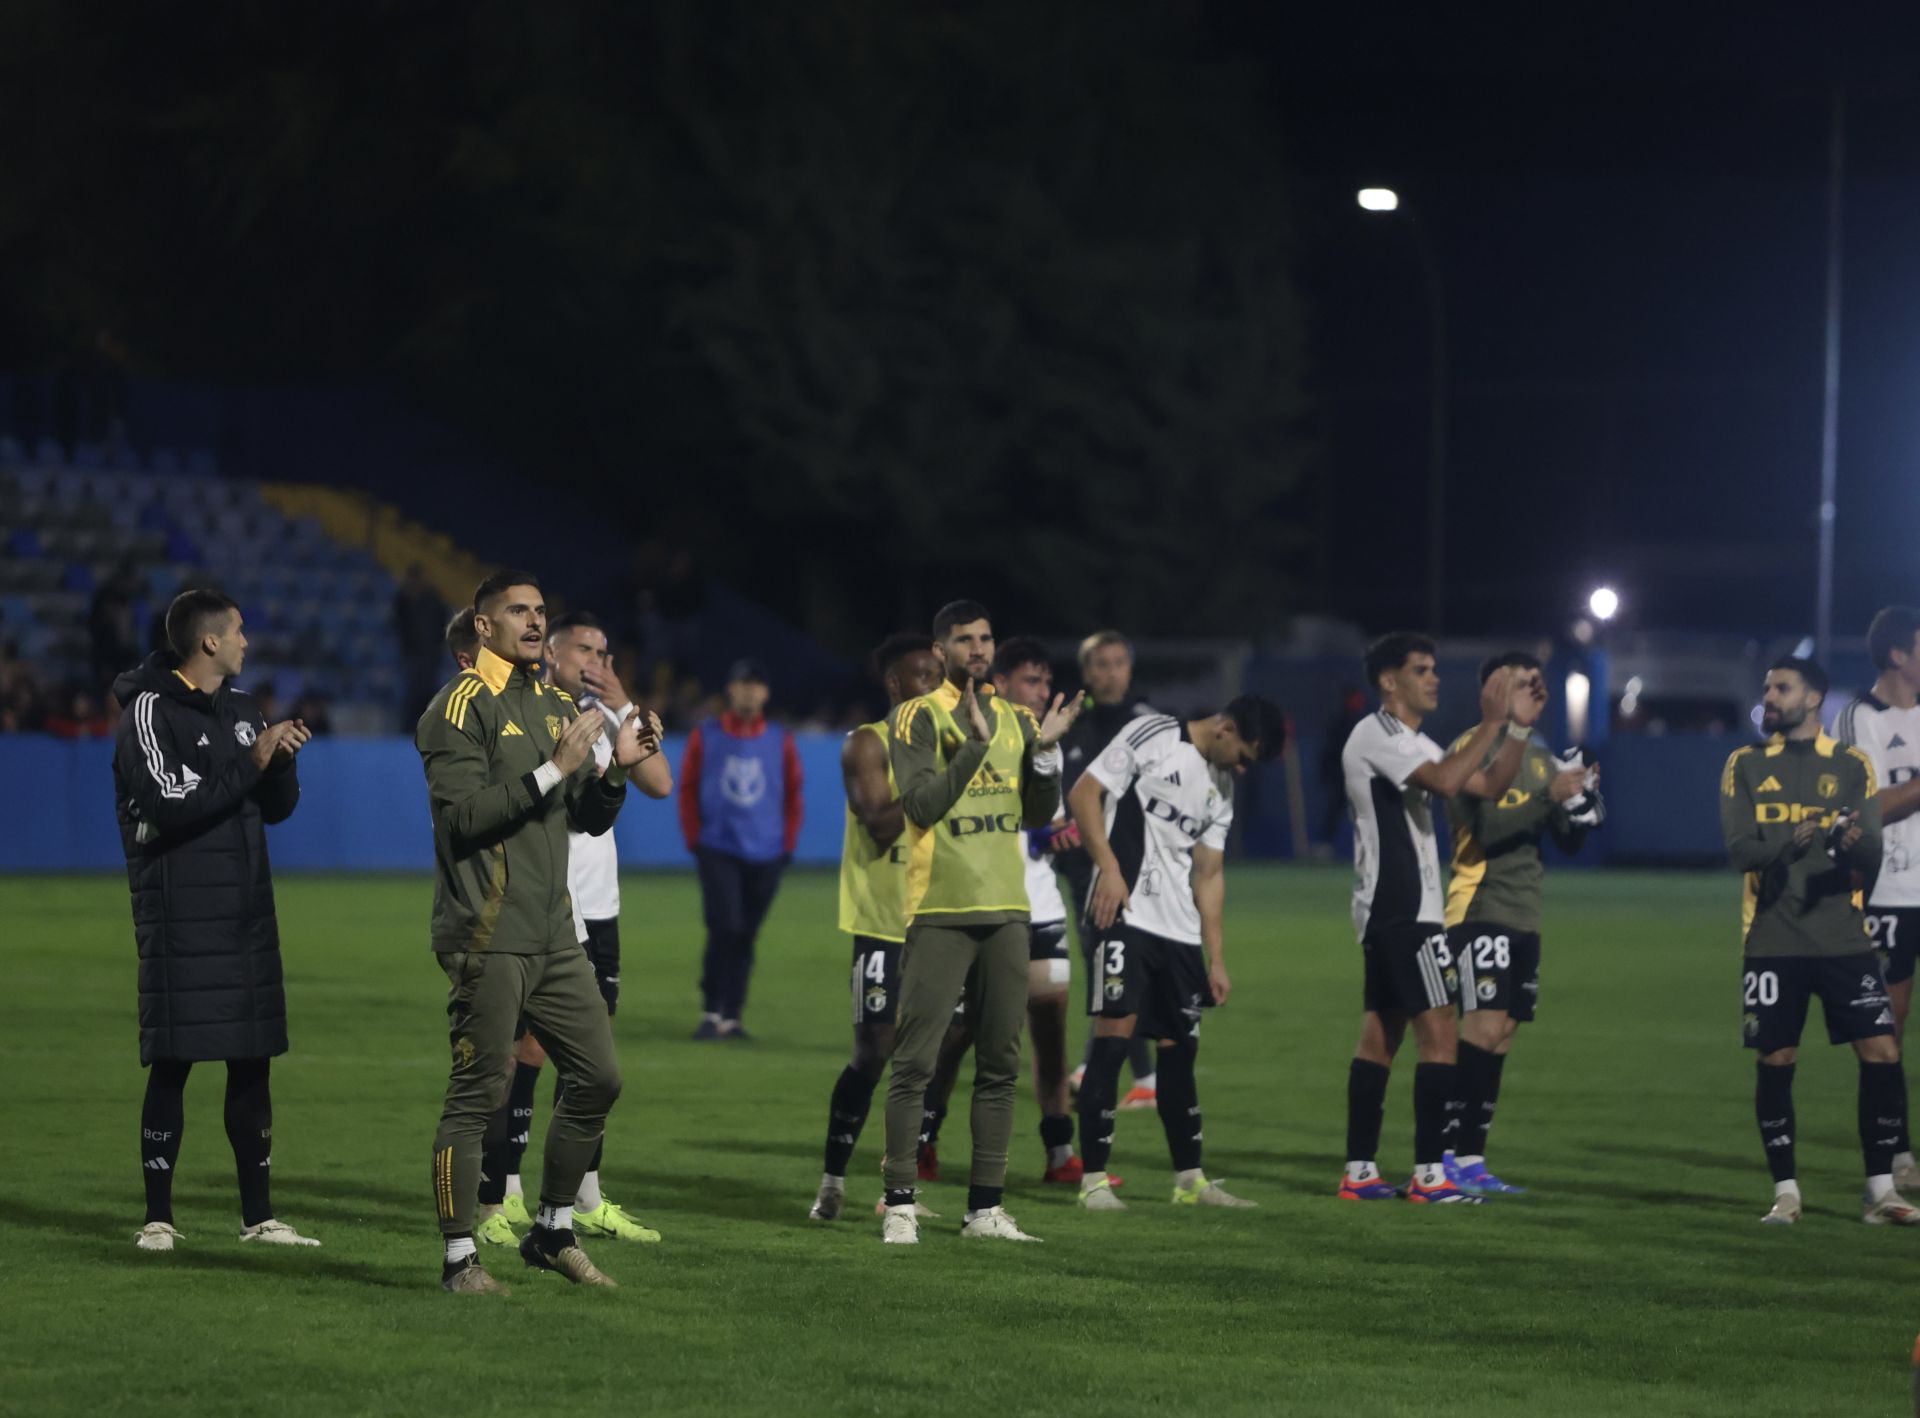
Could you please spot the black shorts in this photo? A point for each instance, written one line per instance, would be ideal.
(876, 979)
(1162, 981)
(1775, 991)
(1047, 944)
(1498, 968)
(1409, 969)
(1895, 933)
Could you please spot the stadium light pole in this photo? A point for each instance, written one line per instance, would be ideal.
(1830, 387)
(1386, 201)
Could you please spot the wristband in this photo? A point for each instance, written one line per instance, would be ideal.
(1520, 733)
(546, 778)
(1047, 762)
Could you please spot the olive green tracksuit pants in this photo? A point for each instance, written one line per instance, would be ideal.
(490, 993)
(936, 964)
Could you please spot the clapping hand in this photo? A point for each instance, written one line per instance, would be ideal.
(638, 740)
(976, 716)
(1060, 717)
(577, 741)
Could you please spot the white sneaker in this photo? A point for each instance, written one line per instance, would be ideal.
(1096, 1194)
(1786, 1210)
(1891, 1210)
(827, 1205)
(994, 1224)
(156, 1236)
(1209, 1194)
(276, 1233)
(1907, 1178)
(901, 1228)
(920, 1210)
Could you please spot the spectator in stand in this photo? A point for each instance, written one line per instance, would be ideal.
(741, 831)
(315, 710)
(110, 626)
(420, 623)
(79, 718)
(23, 710)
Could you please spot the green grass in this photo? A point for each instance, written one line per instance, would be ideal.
(1633, 1279)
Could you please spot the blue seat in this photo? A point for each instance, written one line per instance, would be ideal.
(165, 462)
(48, 453)
(12, 450)
(202, 462)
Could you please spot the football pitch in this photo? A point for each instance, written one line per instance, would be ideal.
(1633, 1279)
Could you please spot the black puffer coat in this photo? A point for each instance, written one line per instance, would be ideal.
(192, 809)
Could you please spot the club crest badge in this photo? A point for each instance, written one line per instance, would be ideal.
(243, 731)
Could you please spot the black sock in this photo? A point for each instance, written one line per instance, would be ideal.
(930, 1120)
(1479, 1080)
(984, 1198)
(1139, 1057)
(846, 1116)
(1773, 1109)
(1179, 1104)
(899, 1196)
(1056, 1130)
(1099, 1092)
(1366, 1106)
(163, 1117)
(549, 1240)
(520, 1111)
(1432, 1106)
(493, 1157)
(1883, 1114)
(447, 1267)
(250, 1130)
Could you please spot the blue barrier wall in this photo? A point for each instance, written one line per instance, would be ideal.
(363, 806)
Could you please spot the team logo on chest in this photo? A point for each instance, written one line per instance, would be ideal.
(553, 727)
(243, 731)
(1828, 785)
(743, 782)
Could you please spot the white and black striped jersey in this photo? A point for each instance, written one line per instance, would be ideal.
(1396, 862)
(1163, 800)
(1890, 738)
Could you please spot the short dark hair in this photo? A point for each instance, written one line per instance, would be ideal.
(1892, 629)
(1260, 721)
(1021, 650)
(958, 613)
(462, 638)
(1393, 650)
(897, 647)
(1509, 659)
(574, 620)
(499, 583)
(1808, 670)
(192, 615)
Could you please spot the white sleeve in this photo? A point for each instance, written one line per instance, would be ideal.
(1396, 757)
(1114, 769)
(1216, 834)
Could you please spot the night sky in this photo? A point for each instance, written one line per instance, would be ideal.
(1631, 229)
(597, 238)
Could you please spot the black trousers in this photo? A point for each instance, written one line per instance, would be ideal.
(734, 895)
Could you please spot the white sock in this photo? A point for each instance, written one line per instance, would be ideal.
(459, 1248)
(831, 1183)
(1790, 1185)
(1147, 1082)
(1188, 1177)
(1430, 1174)
(1468, 1161)
(1362, 1172)
(589, 1197)
(1881, 1187)
(1905, 1159)
(554, 1218)
(1061, 1155)
(513, 1184)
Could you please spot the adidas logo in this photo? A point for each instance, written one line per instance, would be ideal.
(1769, 784)
(1174, 777)
(157, 1164)
(511, 730)
(202, 743)
(1896, 742)
(1886, 1017)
